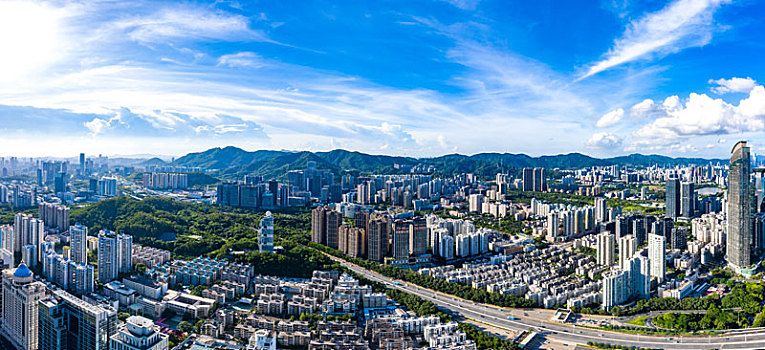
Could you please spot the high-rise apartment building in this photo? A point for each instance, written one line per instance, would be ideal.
(601, 209)
(639, 268)
(418, 237)
(627, 249)
(401, 239)
(318, 225)
(739, 233)
(78, 236)
(657, 255)
(377, 237)
(352, 241)
(21, 295)
(639, 229)
(55, 216)
(615, 288)
(266, 234)
(672, 201)
(605, 251)
(69, 323)
(124, 252)
(325, 224)
(528, 179)
(361, 219)
(115, 253)
(539, 179)
(679, 239)
(28, 231)
(687, 200)
(553, 224)
(108, 266)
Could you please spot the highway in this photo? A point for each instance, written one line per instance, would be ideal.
(562, 333)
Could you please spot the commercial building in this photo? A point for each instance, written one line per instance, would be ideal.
(739, 233)
(687, 200)
(672, 201)
(21, 295)
(266, 234)
(139, 333)
(69, 323)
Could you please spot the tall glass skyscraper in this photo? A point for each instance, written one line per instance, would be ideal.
(739, 233)
(672, 198)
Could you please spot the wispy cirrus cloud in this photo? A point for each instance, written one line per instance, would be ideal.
(244, 59)
(186, 22)
(679, 25)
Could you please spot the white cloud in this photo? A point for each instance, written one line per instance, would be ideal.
(643, 110)
(648, 109)
(98, 126)
(464, 4)
(604, 140)
(610, 118)
(187, 22)
(725, 86)
(681, 24)
(241, 59)
(703, 115)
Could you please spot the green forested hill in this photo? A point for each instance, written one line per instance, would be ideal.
(232, 162)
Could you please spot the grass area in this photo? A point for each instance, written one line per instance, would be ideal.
(640, 321)
(635, 331)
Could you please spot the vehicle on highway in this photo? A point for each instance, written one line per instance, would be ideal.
(397, 283)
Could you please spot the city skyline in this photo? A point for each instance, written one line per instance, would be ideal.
(606, 78)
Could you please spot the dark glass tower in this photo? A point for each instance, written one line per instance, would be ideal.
(739, 208)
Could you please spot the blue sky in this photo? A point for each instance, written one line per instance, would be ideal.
(416, 78)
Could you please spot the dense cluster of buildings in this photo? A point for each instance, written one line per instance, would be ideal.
(39, 316)
(384, 324)
(403, 242)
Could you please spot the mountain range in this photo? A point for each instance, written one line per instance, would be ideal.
(233, 162)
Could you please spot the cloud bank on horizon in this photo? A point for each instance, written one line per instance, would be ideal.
(402, 78)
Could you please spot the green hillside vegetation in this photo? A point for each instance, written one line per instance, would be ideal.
(200, 229)
(232, 162)
(201, 180)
